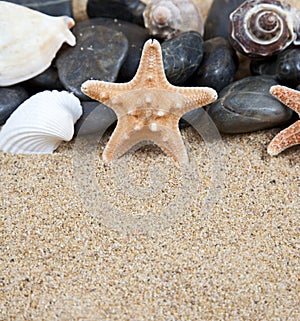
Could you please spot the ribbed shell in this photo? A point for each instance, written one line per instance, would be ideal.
(40, 124)
(261, 28)
(29, 40)
(166, 18)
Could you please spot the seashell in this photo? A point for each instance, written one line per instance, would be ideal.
(39, 124)
(29, 41)
(260, 28)
(166, 18)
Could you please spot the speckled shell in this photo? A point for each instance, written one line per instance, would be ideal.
(166, 18)
(29, 40)
(260, 28)
(41, 123)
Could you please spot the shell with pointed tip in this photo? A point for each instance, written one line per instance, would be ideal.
(260, 28)
(29, 41)
(39, 124)
(166, 18)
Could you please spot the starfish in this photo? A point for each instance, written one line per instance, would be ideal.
(148, 107)
(291, 135)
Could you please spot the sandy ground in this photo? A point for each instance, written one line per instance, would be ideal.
(233, 259)
(219, 241)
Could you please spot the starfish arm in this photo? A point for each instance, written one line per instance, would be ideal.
(285, 139)
(168, 138)
(172, 144)
(287, 96)
(150, 72)
(104, 91)
(195, 97)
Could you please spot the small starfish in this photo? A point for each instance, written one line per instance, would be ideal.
(291, 135)
(148, 107)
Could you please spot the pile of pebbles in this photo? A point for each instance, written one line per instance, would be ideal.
(109, 45)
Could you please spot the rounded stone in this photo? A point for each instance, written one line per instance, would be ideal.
(98, 54)
(217, 21)
(246, 105)
(129, 10)
(182, 55)
(10, 99)
(48, 79)
(96, 117)
(285, 67)
(218, 66)
(52, 8)
(136, 37)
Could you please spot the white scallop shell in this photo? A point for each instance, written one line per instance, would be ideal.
(40, 123)
(29, 40)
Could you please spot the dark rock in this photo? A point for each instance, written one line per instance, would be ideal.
(129, 10)
(218, 65)
(285, 67)
(52, 8)
(47, 79)
(136, 37)
(96, 117)
(10, 99)
(217, 21)
(98, 54)
(246, 105)
(182, 55)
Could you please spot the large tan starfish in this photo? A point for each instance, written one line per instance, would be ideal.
(148, 107)
(291, 135)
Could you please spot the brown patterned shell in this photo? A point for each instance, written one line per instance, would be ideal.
(166, 18)
(260, 28)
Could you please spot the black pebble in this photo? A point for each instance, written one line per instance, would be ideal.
(285, 67)
(52, 8)
(98, 54)
(218, 66)
(182, 55)
(217, 21)
(246, 105)
(10, 98)
(129, 10)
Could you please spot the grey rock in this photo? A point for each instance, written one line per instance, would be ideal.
(182, 55)
(129, 10)
(136, 37)
(96, 118)
(217, 21)
(98, 54)
(48, 79)
(10, 99)
(285, 67)
(52, 8)
(246, 105)
(218, 66)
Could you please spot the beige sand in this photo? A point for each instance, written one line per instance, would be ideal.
(238, 261)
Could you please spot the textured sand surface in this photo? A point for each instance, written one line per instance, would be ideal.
(239, 261)
(236, 258)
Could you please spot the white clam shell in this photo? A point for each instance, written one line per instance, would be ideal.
(29, 40)
(39, 124)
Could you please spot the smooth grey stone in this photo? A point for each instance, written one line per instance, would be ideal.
(96, 117)
(48, 79)
(10, 99)
(285, 67)
(136, 37)
(246, 105)
(129, 10)
(98, 54)
(52, 8)
(217, 21)
(182, 55)
(218, 66)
